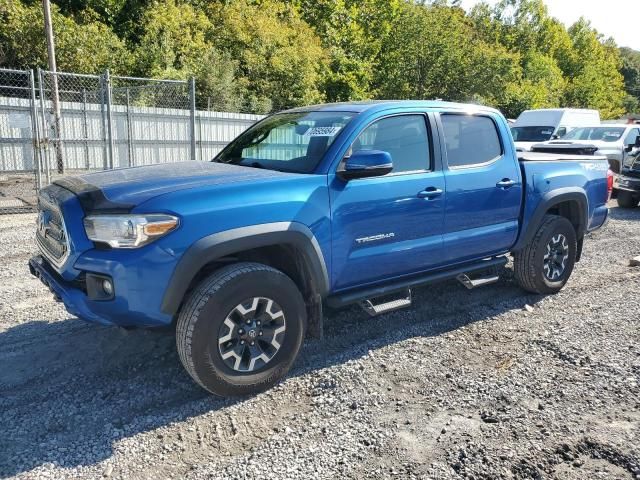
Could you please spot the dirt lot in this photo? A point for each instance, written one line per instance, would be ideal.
(466, 384)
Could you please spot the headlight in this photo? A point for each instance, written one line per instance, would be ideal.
(128, 231)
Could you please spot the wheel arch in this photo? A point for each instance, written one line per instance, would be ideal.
(570, 203)
(287, 246)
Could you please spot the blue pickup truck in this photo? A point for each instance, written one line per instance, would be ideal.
(327, 205)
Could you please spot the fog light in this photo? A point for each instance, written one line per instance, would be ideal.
(107, 286)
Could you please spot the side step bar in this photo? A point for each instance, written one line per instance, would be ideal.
(386, 307)
(464, 279)
(343, 299)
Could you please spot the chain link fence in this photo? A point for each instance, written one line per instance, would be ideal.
(19, 153)
(56, 123)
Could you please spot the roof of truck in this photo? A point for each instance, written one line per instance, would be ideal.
(362, 106)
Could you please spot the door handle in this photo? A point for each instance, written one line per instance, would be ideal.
(429, 193)
(505, 183)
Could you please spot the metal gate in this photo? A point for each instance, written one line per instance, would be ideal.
(94, 122)
(20, 173)
(58, 123)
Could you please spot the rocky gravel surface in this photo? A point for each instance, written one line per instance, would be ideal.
(485, 384)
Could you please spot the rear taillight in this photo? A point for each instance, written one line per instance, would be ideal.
(609, 184)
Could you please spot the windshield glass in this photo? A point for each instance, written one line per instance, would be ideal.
(531, 134)
(606, 134)
(288, 142)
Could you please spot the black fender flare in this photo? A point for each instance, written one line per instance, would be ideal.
(550, 200)
(228, 242)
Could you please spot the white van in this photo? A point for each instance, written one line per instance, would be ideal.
(535, 126)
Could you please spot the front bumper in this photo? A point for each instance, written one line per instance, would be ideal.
(631, 184)
(137, 298)
(75, 300)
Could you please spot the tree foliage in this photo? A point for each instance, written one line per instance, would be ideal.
(631, 72)
(83, 44)
(260, 55)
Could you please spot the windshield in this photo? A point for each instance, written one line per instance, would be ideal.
(288, 142)
(606, 134)
(532, 134)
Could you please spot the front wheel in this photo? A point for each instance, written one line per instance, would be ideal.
(627, 199)
(545, 265)
(241, 329)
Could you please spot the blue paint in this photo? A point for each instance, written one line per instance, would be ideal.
(369, 230)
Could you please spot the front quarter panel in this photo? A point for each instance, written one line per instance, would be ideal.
(205, 211)
(297, 199)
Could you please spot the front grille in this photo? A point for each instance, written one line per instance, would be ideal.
(50, 232)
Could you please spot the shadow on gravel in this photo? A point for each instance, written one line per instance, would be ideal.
(69, 390)
(617, 213)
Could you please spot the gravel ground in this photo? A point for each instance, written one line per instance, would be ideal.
(491, 383)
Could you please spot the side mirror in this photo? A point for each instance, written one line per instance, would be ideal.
(555, 136)
(631, 146)
(366, 163)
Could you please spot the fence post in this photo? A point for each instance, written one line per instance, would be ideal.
(103, 119)
(107, 81)
(34, 132)
(45, 133)
(192, 123)
(132, 161)
(57, 121)
(85, 129)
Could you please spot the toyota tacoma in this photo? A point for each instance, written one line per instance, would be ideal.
(327, 205)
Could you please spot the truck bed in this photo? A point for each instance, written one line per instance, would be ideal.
(550, 174)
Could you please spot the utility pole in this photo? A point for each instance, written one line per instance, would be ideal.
(51, 50)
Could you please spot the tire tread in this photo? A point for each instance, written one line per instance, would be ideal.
(526, 272)
(190, 311)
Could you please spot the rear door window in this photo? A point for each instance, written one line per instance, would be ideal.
(470, 140)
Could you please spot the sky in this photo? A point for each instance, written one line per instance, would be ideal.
(619, 19)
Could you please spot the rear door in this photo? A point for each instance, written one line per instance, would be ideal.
(389, 226)
(484, 187)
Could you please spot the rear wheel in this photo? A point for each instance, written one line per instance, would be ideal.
(627, 199)
(545, 265)
(241, 329)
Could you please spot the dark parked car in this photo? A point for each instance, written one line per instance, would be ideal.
(628, 182)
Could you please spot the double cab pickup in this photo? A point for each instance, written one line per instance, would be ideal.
(323, 205)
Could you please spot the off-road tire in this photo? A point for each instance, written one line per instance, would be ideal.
(204, 312)
(627, 199)
(529, 262)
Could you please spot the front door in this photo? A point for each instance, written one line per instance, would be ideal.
(391, 225)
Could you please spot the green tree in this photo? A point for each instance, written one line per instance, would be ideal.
(176, 43)
(594, 74)
(279, 57)
(433, 52)
(83, 44)
(174, 40)
(631, 72)
(352, 33)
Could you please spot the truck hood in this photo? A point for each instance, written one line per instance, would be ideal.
(122, 189)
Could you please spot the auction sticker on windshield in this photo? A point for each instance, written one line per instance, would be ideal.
(322, 132)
